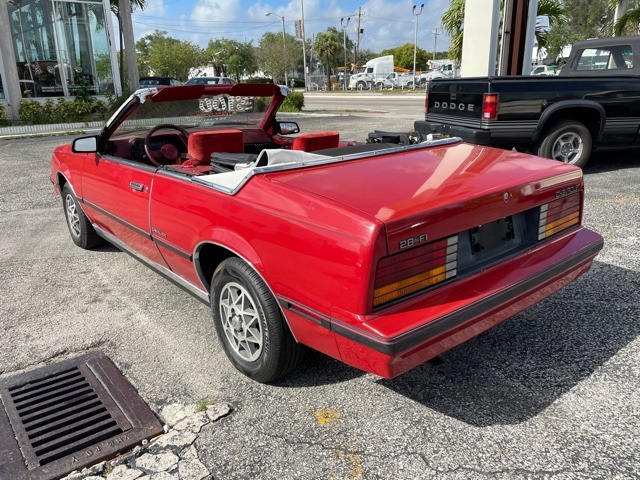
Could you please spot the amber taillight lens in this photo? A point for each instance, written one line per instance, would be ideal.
(405, 273)
(490, 106)
(559, 215)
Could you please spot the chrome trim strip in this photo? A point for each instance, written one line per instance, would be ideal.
(163, 271)
(119, 220)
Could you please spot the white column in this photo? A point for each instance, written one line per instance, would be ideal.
(480, 41)
(11, 81)
(527, 56)
(113, 55)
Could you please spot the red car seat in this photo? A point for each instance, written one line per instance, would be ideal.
(310, 142)
(202, 144)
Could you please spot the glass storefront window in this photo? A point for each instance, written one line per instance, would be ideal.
(61, 47)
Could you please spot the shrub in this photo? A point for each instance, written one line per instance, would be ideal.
(4, 122)
(293, 103)
(259, 80)
(63, 111)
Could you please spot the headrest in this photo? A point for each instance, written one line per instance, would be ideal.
(202, 144)
(310, 142)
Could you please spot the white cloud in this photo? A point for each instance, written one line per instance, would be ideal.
(386, 23)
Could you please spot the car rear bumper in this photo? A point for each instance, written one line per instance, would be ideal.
(471, 135)
(399, 338)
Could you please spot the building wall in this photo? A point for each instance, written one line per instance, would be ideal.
(55, 48)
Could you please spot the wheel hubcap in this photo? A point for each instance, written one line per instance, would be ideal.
(567, 148)
(241, 322)
(72, 216)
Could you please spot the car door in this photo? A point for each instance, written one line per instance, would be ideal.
(116, 193)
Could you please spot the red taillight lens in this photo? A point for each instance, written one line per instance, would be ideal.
(426, 102)
(559, 215)
(408, 272)
(490, 106)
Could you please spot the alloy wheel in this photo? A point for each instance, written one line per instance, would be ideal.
(241, 321)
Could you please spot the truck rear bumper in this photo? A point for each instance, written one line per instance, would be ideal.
(471, 135)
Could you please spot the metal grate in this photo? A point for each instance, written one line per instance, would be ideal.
(66, 416)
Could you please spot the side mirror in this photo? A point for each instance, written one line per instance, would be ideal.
(85, 145)
(288, 128)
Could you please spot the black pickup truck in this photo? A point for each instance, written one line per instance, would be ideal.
(594, 102)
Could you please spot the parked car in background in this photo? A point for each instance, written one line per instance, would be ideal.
(157, 81)
(380, 255)
(544, 70)
(210, 81)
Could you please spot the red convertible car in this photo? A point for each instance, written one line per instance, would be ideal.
(382, 256)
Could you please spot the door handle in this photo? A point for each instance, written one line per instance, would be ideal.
(136, 186)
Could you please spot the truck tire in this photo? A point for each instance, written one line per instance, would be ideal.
(380, 86)
(567, 141)
(249, 324)
(361, 86)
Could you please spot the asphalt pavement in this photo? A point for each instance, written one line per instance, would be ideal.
(551, 393)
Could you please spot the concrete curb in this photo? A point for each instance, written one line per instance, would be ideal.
(50, 129)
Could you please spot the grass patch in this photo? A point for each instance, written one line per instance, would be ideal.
(202, 405)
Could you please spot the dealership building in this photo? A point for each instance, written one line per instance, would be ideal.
(55, 48)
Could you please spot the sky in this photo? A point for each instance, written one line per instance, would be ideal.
(386, 23)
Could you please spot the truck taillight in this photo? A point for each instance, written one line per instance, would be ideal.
(490, 106)
(408, 272)
(426, 102)
(559, 215)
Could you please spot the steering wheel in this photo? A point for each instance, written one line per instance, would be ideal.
(166, 153)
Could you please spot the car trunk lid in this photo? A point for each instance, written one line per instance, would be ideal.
(433, 192)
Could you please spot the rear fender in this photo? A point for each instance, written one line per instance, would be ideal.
(230, 241)
(566, 110)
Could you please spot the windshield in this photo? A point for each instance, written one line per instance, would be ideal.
(206, 111)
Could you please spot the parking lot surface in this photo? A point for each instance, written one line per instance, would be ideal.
(551, 393)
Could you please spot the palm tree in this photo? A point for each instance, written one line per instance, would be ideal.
(115, 8)
(628, 22)
(329, 46)
(453, 23)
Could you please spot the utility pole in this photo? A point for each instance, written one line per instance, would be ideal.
(415, 41)
(344, 47)
(304, 48)
(284, 47)
(358, 33)
(435, 42)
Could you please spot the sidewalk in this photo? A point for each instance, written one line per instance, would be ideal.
(51, 129)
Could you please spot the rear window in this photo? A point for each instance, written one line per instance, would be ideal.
(618, 57)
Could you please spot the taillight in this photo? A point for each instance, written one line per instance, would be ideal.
(559, 215)
(490, 106)
(426, 102)
(408, 272)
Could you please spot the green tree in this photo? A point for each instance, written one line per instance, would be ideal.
(583, 19)
(167, 57)
(628, 24)
(403, 56)
(231, 58)
(329, 48)
(115, 9)
(274, 58)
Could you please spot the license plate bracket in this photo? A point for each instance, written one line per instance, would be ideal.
(494, 238)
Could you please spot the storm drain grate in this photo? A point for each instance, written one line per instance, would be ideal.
(67, 416)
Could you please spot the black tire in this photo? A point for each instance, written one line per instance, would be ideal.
(258, 342)
(409, 85)
(567, 141)
(82, 232)
(380, 86)
(361, 86)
